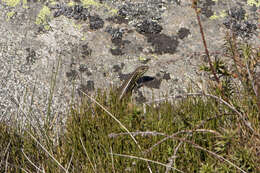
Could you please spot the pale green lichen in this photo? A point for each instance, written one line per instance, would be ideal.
(41, 19)
(214, 16)
(11, 3)
(9, 15)
(83, 38)
(253, 2)
(71, 3)
(222, 14)
(77, 26)
(113, 11)
(87, 3)
(142, 58)
(25, 4)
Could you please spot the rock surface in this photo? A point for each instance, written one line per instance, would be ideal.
(66, 46)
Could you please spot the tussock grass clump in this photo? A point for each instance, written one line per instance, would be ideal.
(193, 134)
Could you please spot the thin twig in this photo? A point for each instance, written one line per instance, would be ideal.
(210, 152)
(194, 2)
(173, 157)
(179, 132)
(174, 97)
(148, 133)
(247, 123)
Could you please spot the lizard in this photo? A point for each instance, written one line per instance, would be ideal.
(131, 82)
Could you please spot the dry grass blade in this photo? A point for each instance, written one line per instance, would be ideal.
(112, 159)
(69, 163)
(87, 155)
(6, 150)
(46, 150)
(31, 162)
(148, 160)
(6, 162)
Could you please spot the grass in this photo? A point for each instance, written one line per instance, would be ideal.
(197, 132)
(211, 131)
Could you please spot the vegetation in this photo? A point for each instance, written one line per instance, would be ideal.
(215, 130)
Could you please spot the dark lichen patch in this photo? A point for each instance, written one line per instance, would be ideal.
(130, 11)
(123, 77)
(90, 85)
(31, 57)
(141, 11)
(237, 22)
(183, 33)
(163, 44)
(141, 98)
(144, 80)
(206, 7)
(117, 39)
(117, 20)
(76, 12)
(152, 82)
(83, 68)
(95, 22)
(117, 68)
(116, 35)
(72, 75)
(166, 76)
(86, 88)
(85, 50)
(148, 27)
(117, 51)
